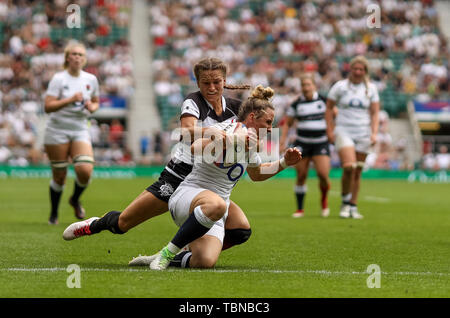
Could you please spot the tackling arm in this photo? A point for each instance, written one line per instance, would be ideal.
(269, 169)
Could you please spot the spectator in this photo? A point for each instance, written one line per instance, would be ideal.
(116, 132)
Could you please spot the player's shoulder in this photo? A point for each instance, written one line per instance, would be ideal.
(196, 97)
(297, 101)
(60, 75)
(340, 84)
(88, 75)
(233, 103)
(372, 86)
(321, 97)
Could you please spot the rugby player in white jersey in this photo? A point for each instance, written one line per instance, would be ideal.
(311, 139)
(354, 130)
(200, 110)
(72, 95)
(200, 204)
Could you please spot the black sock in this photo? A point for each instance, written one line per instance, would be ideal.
(300, 192)
(55, 197)
(110, 221)
(77, 191)
(192, 229)
(300, 197)
(181, 260)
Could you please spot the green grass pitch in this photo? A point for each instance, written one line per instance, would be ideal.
(405, 232)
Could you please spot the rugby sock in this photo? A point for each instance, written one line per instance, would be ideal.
(181, 260)
(300, 192)
(324, 196)
(110, 221)
(346, 198)
(196, 225)
(55, 196)
(78, 190)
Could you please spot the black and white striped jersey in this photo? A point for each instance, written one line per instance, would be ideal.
(181, 163)
(310, 115)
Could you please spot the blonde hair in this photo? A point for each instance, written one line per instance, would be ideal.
(308, 76)
(362, 60)
(257, 102)
(68, 49)
(212, 64)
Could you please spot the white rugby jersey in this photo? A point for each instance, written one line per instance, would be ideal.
(310, 115)
(353, 103)
(180, 164)
(220, 177)
(63, 85)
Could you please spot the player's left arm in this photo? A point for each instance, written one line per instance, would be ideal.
(267, 170)
(374, 111)
(92, 104)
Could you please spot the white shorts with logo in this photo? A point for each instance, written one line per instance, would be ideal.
(55, 136)
(180, 203)
(356, 138)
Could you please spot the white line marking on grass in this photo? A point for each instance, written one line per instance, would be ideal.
(366, 197)
(377, 199)
(145, 269)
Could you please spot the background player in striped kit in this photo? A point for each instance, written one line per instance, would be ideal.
(311, 139)
(200, 109)
(354, 130)
(71, 96)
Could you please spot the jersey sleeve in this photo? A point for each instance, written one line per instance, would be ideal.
(334, 92)
(96, 91)
(291, 110)
(191, 108)
(54, 86)
(374, 97)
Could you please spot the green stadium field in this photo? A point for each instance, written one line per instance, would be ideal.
(405, 232)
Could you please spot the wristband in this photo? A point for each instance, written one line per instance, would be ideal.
(283, 163)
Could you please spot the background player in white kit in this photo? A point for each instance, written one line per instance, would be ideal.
(355, 128)
(200, 204)
(71, 96)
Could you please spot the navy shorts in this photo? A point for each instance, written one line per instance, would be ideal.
(310, 150)
(165, 186)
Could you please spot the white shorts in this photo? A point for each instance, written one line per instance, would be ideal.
(55, 136)
(180, 202)
(358, 140)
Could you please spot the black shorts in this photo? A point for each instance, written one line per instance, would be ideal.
(168, 182)
(310, 150)
(165, 186)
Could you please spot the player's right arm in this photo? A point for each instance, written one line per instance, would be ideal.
(329, 118)
(53, 104)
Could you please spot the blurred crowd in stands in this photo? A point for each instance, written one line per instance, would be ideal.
(264, 42)
(273, 42)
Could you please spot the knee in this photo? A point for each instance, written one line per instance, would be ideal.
(83, 167)
(205, 261)
(349, 168)
(237, 236)
(59, 176)
(215, 209)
